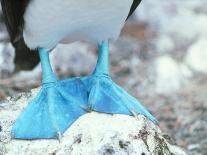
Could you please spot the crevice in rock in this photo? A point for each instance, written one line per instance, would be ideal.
(161, 146)
(108, 150)
(78, 139)
(143, 134)
(124, 145)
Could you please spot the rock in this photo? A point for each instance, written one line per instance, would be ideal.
(164, 44)
(92, 134)
(197, 55)
(6, 59)
(161, 11)
(77, 58)
(170, 75)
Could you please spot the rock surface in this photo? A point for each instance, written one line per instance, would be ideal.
(92, 134)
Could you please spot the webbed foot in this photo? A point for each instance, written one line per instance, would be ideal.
(107, 97)
(54, 109)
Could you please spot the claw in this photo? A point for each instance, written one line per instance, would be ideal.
(59, 136)
(133, 113)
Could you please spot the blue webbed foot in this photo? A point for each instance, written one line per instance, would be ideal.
(107, 97)
(52, 111)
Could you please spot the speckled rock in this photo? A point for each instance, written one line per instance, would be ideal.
(92, 134)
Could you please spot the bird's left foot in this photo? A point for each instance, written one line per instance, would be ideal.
(107, 97)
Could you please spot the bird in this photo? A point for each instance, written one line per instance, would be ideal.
(38, 26)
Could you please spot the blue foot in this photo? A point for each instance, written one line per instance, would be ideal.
(107, 97)
(52, 111)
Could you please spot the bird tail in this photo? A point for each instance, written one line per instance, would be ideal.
(13, 11)
(25, 58)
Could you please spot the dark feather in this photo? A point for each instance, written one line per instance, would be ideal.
(13, 11)
(135, 4)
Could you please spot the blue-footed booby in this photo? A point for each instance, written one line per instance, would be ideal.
(35, 28)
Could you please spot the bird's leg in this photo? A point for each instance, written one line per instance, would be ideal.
(106, 96)
(48, 75)
(54, 109)
(102, 66)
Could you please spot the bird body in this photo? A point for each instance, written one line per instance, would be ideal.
(47, 23)
(43, 23)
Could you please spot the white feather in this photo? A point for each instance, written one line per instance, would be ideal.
(47, 22)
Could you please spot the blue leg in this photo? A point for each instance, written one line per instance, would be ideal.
(106, 96)
(54, 109)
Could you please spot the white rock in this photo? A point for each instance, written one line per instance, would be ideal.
(169, 75)
(179, 25)
(92, 134)
(196, 57)
(75, 58)
(6, 59)
(173, 19)
(186, 71)
(164, 44)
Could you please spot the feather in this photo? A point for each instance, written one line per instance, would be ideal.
(135, 4)
(13, 11)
